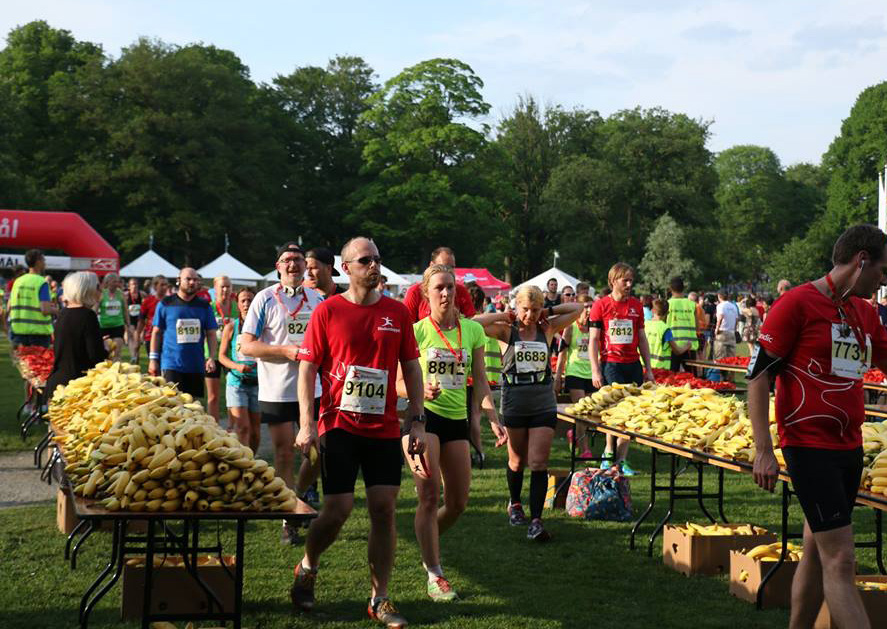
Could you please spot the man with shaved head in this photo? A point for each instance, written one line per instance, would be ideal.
(415, 300)
(182, 322)
(356, 342)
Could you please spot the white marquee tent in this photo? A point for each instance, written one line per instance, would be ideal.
(394, 279)
(226, 264)
(149, 264)
(541, 280)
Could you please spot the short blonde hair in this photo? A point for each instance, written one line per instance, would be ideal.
(81, 287)
(618, 271)
(530, 294)
(433, 270)
(218, 279)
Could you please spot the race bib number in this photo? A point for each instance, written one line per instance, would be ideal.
(188, 331)
(583, 348)
(443, 368)
(849, 360)
(113, 307)
(620, 331)
(364, 390)
(296, 327)
(134, 310)
(530, 356)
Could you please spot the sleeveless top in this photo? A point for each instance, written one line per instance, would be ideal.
(526, 376)
(235, 378)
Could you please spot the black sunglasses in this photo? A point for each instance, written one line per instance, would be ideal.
(366, 260)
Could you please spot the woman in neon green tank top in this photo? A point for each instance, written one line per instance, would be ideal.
(450, 348)
(111, 316)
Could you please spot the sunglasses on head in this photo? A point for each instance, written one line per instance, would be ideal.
(366, 260)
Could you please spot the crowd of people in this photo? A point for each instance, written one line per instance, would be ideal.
(325, 364)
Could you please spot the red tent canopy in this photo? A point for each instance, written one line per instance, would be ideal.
(482, 278)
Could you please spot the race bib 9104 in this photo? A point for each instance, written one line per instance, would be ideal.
(849, 360)
(443, 367)
(364, 390)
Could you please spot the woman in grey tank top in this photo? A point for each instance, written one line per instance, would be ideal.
(529, 407)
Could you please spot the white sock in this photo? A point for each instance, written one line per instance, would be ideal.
(434, 572)
(306, 567)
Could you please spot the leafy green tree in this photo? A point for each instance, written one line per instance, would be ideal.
(422, 140)
(318, 111)
(665, 257)
(36, 58)
(181, 150)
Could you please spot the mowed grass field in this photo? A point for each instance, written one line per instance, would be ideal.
(585, 577)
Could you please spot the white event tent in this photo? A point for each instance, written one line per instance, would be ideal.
(541, 280)
(149, 264)
(226, 264)
(394, 279)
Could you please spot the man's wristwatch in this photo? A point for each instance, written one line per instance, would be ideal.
(418, 418)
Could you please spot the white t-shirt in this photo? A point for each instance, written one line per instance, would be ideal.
(276, 318)
(730, 313)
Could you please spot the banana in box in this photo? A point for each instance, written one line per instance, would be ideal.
(873, 592)
(749, 567)
(705, 549)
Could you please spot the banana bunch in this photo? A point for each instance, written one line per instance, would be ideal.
(874, 477)
(692, 529)
(141, 446)
(605, 397)
(870, 586)
(874, 441)
(771, 552)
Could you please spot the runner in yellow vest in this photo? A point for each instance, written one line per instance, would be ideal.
(573, 362)
(30, 305)
(660, 337)
(682, 321)
(493, 368)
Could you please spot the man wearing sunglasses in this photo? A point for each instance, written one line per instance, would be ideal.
(272, 333)
(355, 343)
(817, 342)
(415, 300)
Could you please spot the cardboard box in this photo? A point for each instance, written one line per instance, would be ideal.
(778, 591)
(173, 589)
(65, 518)
(706, 554)
(874, 601)
(558, 486)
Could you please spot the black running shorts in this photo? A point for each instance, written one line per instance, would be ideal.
(826, 483)
(342, 454)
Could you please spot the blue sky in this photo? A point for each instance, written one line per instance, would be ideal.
(779, 74)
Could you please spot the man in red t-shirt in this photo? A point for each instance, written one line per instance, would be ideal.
(818, 341)
(355, 342)
(415, 301)
(618, 320)
(149, 305)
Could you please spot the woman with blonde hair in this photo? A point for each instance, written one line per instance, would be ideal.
(77, 343)
(529, 406)
(450, 349)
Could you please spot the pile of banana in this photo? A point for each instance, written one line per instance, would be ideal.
(698, 418)
(771, 552)
(870, 586)
(874, 477)
(874, 441)
(606, 397)
(134, 443)
(692, 529)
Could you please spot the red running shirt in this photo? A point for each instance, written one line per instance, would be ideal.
(622, 321)
(149, 305)
(352, 345)
(418, 306)
(819, 399)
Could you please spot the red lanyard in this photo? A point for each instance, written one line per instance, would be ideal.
(292, 314)
(458, 354)
(848, 318)
(225, 319)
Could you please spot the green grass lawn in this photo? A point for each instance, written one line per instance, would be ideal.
(586, 577)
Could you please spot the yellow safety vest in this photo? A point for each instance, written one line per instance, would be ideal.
(660, 351)
(493, 361)
(25, 316)
(682, 321)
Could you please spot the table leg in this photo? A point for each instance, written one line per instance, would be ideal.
(646, 512)
(80, 524)
(82, 539)
(238, 573)
(671, 498)
(40, 448)
(759, 598)
(149, 574)
(86, 603)
(721, 495)
(879, 542)
(699, 495)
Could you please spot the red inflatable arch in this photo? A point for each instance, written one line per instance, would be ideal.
(66, 231)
